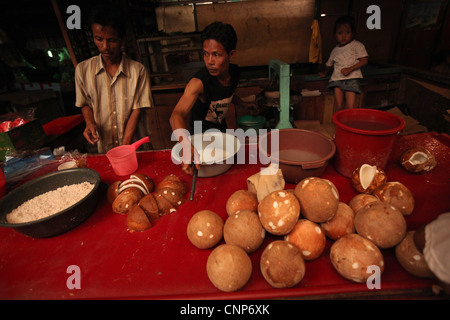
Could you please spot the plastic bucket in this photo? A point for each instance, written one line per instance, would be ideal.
(251, 122)
(123, 158)
(364, 136)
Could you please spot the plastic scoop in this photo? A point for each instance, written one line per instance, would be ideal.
(123, 158)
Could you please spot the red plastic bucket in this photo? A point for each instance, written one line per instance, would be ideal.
(364, 136)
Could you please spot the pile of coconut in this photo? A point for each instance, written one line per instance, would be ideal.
(302, 218)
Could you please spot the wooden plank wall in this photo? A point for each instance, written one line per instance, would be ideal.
(266, 29)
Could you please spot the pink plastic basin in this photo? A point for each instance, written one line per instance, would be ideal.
(299, 153)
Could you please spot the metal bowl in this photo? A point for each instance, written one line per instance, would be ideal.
(224, 146)
(62, 221)
(299, 153)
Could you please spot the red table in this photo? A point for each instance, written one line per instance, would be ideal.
(161, 263)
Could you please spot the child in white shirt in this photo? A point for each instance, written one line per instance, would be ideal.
(347, 58)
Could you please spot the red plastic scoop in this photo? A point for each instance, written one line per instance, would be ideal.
(123, 158)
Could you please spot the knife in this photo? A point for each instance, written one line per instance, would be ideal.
(194, 180)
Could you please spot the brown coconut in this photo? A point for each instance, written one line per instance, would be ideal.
(282, 264)
(341, 224)
(411, 259)
(126, 200)
(113, 191)
(149, 185)
(242, 200)
(367, 178)
(398, 195)
(174, 196)
(381, 223)
(360, 200)
(173, 182)
(229, 267)
(319, 198)
(418, 160)
(352, 255)
(205, 229)
(164, 205)
(137, 220)
(139, 181)
(279, 212)
(308, 237)
(150, 206)
(244, 229)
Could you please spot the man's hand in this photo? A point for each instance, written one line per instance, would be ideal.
(189, 159)
(90, 133)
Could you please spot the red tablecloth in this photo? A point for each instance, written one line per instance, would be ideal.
(62, 125)
(161, 263)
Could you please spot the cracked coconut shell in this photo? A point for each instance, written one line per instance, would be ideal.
(417, 160)
(367, 178)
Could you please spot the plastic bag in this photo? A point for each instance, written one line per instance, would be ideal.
(15, 119)
(19, 165)
(72, 159)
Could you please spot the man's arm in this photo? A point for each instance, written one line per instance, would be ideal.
(179, 116)
(183, 108)
(90, 132)
(131, 126)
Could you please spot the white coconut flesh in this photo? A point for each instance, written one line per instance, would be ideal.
(366, 175)
(134, 182)
(418, 158)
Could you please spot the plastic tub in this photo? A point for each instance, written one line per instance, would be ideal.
(301, 153)
(364, 136)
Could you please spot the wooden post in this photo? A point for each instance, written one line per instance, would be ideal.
(62, 26)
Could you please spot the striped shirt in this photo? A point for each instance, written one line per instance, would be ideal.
(112, 99)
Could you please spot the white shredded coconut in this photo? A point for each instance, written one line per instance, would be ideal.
(49, 203)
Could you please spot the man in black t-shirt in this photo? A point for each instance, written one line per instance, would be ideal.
(209, 94)
(212, 107)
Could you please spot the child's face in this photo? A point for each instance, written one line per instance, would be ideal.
(343, 34)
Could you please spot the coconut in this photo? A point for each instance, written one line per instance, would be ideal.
(282, 264)
(367, 178)
(381, 223)
(242, 200)
(205, 229)
(397, 194)
(244, 230)
(418, 160)
(360, 200)
(319, 198)
(229, 267)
